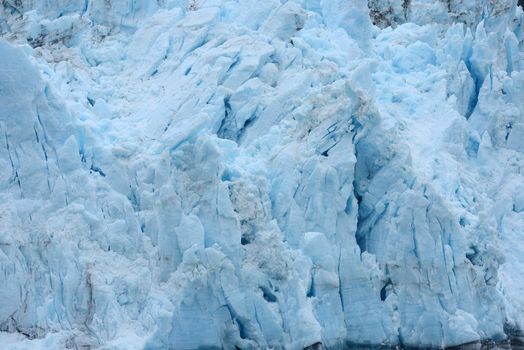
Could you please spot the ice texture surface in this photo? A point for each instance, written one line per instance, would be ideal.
(183, 174)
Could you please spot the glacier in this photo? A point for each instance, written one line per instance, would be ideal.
(242, 174)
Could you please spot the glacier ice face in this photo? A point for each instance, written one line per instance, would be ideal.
(177, 174)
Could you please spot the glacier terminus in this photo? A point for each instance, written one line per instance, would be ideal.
(244, 174)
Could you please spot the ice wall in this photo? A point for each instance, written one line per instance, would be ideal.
(194, 174)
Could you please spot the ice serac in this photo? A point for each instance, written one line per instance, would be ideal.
(53, 220)
(177, 174)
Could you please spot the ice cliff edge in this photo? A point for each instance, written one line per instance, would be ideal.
(246, 174)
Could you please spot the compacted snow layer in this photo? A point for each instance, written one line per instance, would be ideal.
(254, 174)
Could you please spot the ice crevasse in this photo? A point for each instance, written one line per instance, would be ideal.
(260, 174)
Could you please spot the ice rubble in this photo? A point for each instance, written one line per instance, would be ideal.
(208, 173)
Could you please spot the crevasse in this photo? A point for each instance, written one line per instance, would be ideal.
(247, 174)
